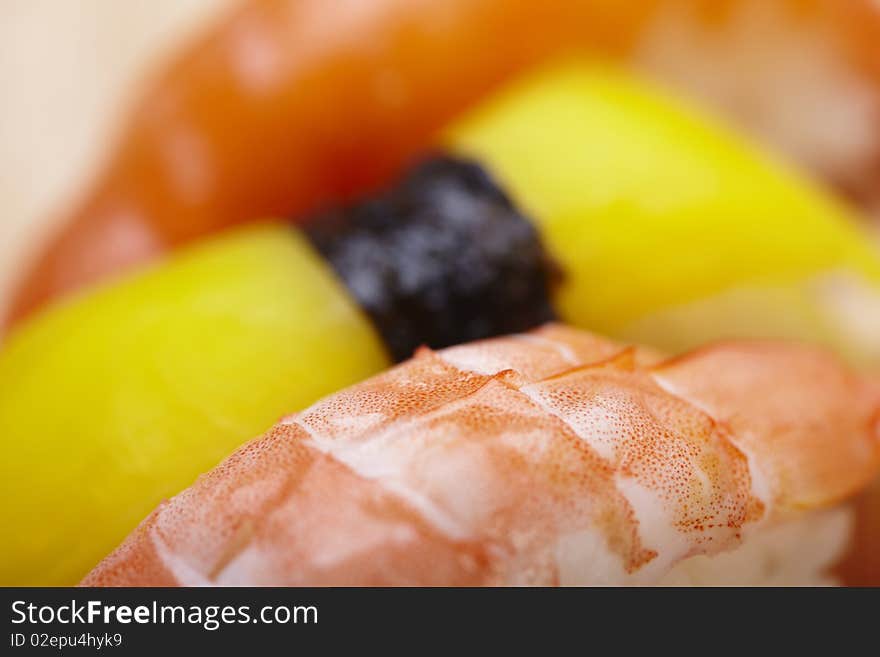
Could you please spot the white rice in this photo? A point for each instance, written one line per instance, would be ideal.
(800, 552)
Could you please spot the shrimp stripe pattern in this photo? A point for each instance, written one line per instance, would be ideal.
(553, 457)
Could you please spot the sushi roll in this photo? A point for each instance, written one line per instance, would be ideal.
(577, 193)
(285, 106)
(550, 458)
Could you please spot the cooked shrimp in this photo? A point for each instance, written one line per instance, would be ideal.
(553, 457)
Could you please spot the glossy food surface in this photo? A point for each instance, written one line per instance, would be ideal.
(669, 228)
(553, 457)
(441, 258)
(112, 402)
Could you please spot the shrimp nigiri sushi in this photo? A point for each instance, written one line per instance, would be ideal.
(548, 458)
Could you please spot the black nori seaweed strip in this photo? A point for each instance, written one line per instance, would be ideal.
(441, 258)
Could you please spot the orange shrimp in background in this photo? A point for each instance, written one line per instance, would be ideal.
(286, 105)
(553, 457)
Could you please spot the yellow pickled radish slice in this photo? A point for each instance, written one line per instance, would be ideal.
(114, 401)
(672, 229)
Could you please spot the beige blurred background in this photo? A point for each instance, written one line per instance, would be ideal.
(68, 70)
